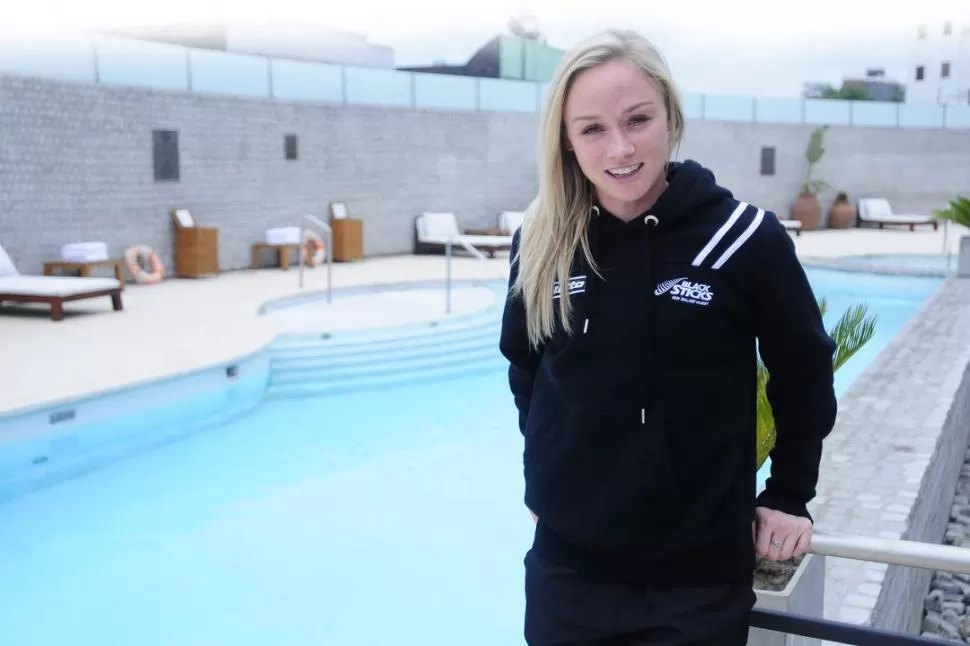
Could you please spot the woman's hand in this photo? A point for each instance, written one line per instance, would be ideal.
(779, 536)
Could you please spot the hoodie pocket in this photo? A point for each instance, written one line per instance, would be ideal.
(607, 482)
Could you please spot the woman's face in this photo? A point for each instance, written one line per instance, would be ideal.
(616, 125)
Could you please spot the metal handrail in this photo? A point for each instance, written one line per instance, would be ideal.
(448, 245)
(946, 245)
(915, 554)
(329, 233)
(448, 275)
(931, 556)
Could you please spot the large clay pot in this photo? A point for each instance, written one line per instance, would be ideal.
(842, 214)
(807, 210)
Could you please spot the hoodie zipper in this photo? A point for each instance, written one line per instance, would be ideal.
(648, 364)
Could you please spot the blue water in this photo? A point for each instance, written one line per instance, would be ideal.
(388, 517)
(929, 262)
(892, 299)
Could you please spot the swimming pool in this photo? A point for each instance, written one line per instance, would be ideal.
(389, 514)
(928, 264)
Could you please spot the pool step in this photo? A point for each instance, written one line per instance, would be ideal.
(336, 357)
(362, 382)
(322, 367)
(365, 338)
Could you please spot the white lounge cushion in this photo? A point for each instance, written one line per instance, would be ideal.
(54, 285)
(84, 251)
(511, 220)
(283, 235)
(878, 209)
(81, 255)
(899, 218)
(434, 226)
(7, 267)
(475, 241)
(488, 241)
(86, 247)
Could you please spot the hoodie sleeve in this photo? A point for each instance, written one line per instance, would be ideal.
(798, 354)
(514, 343)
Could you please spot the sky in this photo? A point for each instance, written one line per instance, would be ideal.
(759, 47)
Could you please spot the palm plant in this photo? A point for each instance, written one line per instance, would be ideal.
(852, 331)
(958, 211)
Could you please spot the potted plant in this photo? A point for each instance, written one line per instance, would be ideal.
(807, 209)
(842, 213)
(958, 211)
(798, 585)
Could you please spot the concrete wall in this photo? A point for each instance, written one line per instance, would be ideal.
(900, 603)
(76, 165)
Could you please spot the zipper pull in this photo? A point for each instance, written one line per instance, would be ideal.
(643, 416)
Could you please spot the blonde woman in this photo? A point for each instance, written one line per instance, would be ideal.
(640, 293)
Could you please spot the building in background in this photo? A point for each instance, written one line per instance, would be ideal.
(282, 40)
(521, 55)
(940, 65)
(504, 57)
(876, 86)
(873, 87)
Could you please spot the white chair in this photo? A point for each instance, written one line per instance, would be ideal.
(876, 210)
(510, 221)
(433, 230)
(792, 225)
(53, 290)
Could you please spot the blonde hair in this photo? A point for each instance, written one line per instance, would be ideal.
(557, 218)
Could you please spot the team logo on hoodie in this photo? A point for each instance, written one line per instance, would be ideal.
(685, 291)
(576, 285)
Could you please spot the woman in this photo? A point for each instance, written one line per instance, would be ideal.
(640, 292)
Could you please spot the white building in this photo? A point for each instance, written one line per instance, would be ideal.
(940, 68)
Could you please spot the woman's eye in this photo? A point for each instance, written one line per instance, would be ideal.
(590, 129)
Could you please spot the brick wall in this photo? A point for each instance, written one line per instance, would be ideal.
(76, 164)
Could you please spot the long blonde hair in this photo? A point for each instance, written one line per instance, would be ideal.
(556, 220)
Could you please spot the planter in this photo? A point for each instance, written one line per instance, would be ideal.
(963, 262)
(842, 215)
(807, 210)
(804, 594)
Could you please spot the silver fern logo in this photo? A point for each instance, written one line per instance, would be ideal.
(666, 286)
(685, 291)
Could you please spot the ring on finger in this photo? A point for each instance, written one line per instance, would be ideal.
(778, 544)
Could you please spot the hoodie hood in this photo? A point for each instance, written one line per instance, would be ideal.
(691, 189)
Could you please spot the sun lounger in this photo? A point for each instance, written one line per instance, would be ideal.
(433, 230)
(510, 221)
(877, 211)
(792, 225)
(53, 290)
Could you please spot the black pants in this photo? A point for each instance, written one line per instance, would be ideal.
(564, 608)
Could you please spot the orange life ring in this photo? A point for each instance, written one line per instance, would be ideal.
(133, 257)
(319, 249)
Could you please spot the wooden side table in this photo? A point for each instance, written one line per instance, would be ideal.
(196, 252)
(84, 268)
(348, 239)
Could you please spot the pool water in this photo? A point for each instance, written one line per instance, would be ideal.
(392, 516)
(936, 263)
(893, 300)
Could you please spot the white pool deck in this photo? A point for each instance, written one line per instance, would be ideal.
(184, 325)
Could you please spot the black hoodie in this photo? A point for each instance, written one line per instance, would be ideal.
(639, 426)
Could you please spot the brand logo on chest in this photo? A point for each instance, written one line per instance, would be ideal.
(685, 291)
(575, 285)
